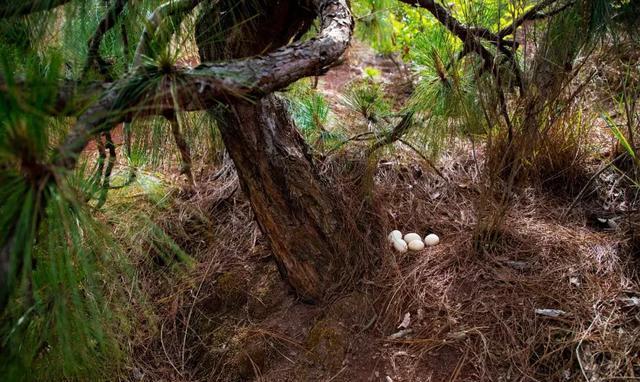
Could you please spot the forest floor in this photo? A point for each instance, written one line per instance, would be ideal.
(555, 298)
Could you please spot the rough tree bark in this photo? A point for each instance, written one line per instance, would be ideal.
(102, 106)
(317, 240)
(296, 209)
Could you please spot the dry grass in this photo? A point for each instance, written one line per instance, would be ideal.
(480, 305)
(230, 316)
(206, 224)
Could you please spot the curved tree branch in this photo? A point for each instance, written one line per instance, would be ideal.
(108, 22)
(531, 14)
(209, 84)
(155, 20)
(445, 17)
(470, 37)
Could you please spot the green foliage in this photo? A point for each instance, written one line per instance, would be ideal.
(58, 323)
(619, 135)
(312, 115)
(16, 34)
(372, 73)
(67, 314)
(309, 108)
(450, 95)
(491, 14)
(366, 97)
(624, 95)
(375, 23)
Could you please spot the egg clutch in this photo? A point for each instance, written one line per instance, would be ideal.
(411, 241)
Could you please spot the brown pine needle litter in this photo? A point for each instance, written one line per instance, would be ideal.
(475, 314)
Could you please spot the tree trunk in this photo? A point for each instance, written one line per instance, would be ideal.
(294, 208)
(299, 212)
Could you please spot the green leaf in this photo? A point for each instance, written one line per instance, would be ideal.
(619, 135)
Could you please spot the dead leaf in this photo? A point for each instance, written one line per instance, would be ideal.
(550, 312)
(405, 321)
(400, 334)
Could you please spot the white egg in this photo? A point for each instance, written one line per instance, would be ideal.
(397, 235)
(400, 245)
(416, 245)
(431, 239)
(411, 237)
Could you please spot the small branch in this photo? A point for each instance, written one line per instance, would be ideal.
(126, 132)
(102, 158)
(93, 55)
(155, 20)
(366, 136)
(445, 17)
(106, 183)
(532, 14)
(183, 147)
(424, 158)
(470, 37)
(540, 16)
(502, 101)
(395, 134)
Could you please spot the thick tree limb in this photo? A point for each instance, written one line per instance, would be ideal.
(9, 8)
(209, 84)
